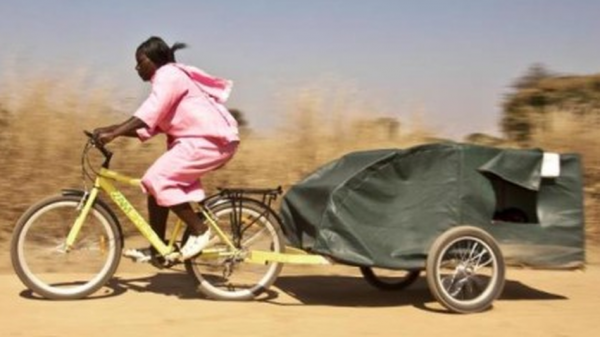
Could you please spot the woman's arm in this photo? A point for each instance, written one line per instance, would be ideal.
(128, 128)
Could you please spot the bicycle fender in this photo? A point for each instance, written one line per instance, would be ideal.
(100, 203)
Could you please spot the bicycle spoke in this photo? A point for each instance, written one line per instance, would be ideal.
(255, 237)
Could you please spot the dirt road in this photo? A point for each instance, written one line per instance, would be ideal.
(306, 301)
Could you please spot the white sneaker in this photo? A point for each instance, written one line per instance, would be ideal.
(139, 255)
(194, 245)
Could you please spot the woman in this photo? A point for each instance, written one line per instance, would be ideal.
(186, 104)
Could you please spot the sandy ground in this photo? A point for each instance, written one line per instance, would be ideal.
(306, 300)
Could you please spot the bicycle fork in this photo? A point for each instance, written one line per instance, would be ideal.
(87, 201)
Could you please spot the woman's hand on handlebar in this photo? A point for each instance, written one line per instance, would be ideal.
(104, 135)
(96, 142)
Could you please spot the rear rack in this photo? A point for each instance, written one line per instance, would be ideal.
(237, 197)
(268, 195)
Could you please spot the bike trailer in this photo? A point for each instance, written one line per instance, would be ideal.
(384, 208)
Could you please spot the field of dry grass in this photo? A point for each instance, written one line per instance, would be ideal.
(41, 140)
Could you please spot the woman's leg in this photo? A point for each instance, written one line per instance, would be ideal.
(192, 220)
(174, 179)
(158, 217)
(199, 233)
(158, 221)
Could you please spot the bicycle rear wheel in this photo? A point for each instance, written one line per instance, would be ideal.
(43, 264)
(251, 226)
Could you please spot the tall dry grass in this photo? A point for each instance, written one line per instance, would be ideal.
(41, 140)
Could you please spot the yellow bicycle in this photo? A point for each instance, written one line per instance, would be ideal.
(68, 246)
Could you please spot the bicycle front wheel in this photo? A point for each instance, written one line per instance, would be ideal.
(41, 260)
(250, 225)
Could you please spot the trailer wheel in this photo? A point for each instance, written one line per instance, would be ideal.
(389, 280)
(465, 270)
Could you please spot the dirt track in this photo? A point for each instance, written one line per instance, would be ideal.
(319, 301)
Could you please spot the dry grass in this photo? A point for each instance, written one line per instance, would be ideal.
(41, 140)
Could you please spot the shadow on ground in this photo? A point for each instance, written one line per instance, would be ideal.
(322, 290)
(355, 292)
(169, 284)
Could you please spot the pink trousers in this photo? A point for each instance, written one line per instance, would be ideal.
(174, 178)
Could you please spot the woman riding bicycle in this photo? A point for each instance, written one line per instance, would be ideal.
(186, 104)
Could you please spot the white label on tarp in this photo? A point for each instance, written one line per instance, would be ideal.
(551, 165)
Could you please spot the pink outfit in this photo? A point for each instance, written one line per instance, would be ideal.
(186, 105)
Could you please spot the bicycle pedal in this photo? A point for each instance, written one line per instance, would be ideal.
(162, 263)
(173, 257)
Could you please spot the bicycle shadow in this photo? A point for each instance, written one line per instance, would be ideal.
(167, 283)
(346, 291)
(111, 289)
(179, 284)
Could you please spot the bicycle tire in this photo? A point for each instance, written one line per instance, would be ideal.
(46, 268)
(391, 280)
(231, 279)
(465, 270)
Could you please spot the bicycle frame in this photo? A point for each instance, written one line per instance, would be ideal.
(104, 181)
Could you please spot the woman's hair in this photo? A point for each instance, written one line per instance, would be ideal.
(157, 50)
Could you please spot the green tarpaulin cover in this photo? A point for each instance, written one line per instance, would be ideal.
(384, 208)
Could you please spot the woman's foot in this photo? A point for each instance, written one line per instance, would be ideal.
(140, 255)
(194, 245)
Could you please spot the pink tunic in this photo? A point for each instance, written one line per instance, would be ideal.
(186, 105)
